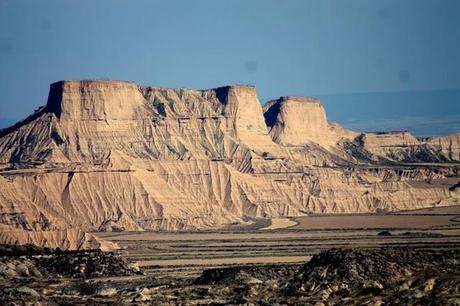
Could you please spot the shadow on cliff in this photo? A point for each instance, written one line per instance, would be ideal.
(272, 113)
(53, 105)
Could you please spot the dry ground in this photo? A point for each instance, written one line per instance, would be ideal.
(187, 254)
(416, 221)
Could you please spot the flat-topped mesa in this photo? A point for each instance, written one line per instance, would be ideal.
(245, 117)
(242, 104)
(301, 120)
(392, 138)
(116, 100)
(105, 155)
(387, 143)
(302, 99)
(95, 100)
(403, 146)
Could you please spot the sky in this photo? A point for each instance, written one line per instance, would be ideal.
(367, 60)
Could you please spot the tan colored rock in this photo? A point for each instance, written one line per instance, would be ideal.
(449, 146)
(393, 145)
(96, 100)
(302, 120)
(402, 146)
(110, 156)
(68, 239)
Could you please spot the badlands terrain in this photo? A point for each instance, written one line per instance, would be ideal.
(208, 197)
(105, 156)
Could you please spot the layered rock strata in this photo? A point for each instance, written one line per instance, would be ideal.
(104, 155)
(302, 120)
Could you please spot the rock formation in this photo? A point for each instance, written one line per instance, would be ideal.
(403, 147)
(105, 155)
(70, 239)
(300, 120)
(448, 146)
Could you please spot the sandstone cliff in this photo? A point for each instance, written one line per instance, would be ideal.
(301, 120)
(404, 147)
(448, 146)
(105, 155)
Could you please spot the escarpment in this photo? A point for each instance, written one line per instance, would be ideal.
(448, 146)
(106, 155)
(301, 120)
(96, 101)
(404, 147)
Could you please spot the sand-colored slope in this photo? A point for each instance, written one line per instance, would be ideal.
(104, 156)
(69, 239)
(448, 146)
(302, 120)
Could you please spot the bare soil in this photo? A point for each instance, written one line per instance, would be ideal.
(187, 254)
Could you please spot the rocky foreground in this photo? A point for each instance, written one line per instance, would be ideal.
(392, 276)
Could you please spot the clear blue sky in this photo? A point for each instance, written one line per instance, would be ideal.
(281, 46)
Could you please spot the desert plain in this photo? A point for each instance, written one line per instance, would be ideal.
(189, 253)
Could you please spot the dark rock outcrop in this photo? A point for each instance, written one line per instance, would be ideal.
(23, 262)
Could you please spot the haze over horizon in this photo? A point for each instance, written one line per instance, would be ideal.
(387, 65)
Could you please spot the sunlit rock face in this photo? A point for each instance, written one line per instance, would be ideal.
(106, 155)
(298, 121)
(404, 147)
(302, 120)
(96, 100)
(448, 146)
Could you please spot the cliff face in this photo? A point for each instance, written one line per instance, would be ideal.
(73, 101)
(101, 122)
(113, 155)
(403, 147)
(449, 146)
(300, 120)
(391, 145)
(77, 124)
(117, 156)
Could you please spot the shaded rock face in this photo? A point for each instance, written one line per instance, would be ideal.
(104, 155)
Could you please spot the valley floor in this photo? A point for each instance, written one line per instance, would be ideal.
(187, 254)
(409, 258)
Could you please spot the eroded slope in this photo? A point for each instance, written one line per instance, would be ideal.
(105, 155)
